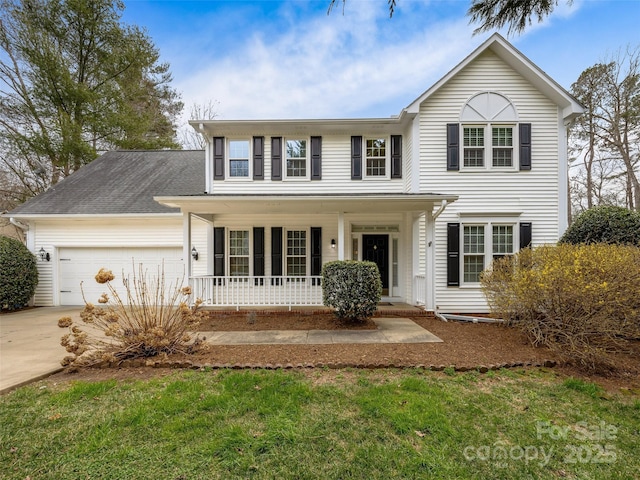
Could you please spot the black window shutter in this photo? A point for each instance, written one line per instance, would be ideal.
(525, 146)
(258, 158)
(453, 254)
(396, 156)
(316, 250)
(356, 158)
(453, 146)
(276, 158)
(525, 234)
(218, 251)
(316, 158)
(258, 251)
(276, 251)
(218, 158)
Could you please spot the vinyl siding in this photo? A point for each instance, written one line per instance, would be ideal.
(54, 234)
(336, 173)
(533, 194)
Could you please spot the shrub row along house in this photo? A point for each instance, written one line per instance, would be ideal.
(473, 169)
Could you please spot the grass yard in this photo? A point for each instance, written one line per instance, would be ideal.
(327, 424)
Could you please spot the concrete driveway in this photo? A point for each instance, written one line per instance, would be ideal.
(30, 344)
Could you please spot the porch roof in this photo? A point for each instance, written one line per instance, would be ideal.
(306, 203)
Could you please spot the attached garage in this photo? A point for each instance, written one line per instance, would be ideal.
(80, 265)
(105, 215)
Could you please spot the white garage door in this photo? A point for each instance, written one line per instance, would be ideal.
(81, 265)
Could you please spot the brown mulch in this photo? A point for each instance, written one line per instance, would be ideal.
(247, 322)
(465, 346)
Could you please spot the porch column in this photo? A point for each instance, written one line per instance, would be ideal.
(415, 256)
(186, 242)
(341, 236)
(429, 260)
(210, 254)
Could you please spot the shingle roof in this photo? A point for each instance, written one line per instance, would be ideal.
(122, 182)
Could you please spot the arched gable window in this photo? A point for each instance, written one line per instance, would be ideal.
(489, 107)
(489, 136)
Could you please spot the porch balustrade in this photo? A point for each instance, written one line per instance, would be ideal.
(419, 289)
(258, 291)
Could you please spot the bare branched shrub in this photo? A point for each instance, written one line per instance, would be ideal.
(154, 318)
(582, 301)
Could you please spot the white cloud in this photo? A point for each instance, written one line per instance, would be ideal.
(359, 64)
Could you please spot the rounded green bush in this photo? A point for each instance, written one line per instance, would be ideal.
(18, 274)
(606, 224)
(352, 288)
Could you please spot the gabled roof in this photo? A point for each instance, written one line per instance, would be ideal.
(521, 64)
(122, 182)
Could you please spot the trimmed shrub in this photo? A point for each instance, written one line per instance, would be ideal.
(582, 301)
(156, 320)
(604, 225)
(352, 288)
(18, 274)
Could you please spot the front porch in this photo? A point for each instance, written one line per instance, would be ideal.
(268, 250)
(286, 292)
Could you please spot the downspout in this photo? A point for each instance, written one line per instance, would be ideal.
(430, 296)
(443, 205)
(21, 226)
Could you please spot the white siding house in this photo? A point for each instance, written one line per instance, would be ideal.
(474, 168)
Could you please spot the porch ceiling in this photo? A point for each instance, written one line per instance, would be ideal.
(306, 204)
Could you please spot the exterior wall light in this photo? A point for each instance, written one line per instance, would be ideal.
(194, 253)
(44, 256)
(333, 243)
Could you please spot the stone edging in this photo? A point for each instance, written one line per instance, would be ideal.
(187, 364)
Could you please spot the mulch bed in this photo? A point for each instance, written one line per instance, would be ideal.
(466, 346)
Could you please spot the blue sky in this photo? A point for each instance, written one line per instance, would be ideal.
(289, 59)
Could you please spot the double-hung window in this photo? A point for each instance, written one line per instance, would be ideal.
(502, 146)
(487, 146)
(239, 253)
(376, 157)
(296, 253)
(296, 158)
(479, 248)
(239, 158)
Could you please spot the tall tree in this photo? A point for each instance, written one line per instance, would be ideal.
(494, 14)
(610, 127)
(74, 81)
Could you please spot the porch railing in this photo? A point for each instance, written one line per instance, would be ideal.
(419, 288)
(258, 291)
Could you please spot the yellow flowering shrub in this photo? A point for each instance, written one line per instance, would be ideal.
(155, 319)
(581, 300)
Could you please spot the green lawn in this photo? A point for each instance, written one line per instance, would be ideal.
(321, 424)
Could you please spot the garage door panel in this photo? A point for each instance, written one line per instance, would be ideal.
(80, 265)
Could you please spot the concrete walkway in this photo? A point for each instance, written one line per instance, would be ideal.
(390, 330)
(30, 340)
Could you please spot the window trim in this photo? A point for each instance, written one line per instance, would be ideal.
(307, 164)
(228, 159)
(489, 147)
(488, 253)
(387, 157)
(228, 250)
(307, 248)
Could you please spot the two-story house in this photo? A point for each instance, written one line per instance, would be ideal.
(473, 169)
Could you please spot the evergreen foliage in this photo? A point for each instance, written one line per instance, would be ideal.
(605, 224)
(352, 288)
(18, 274)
